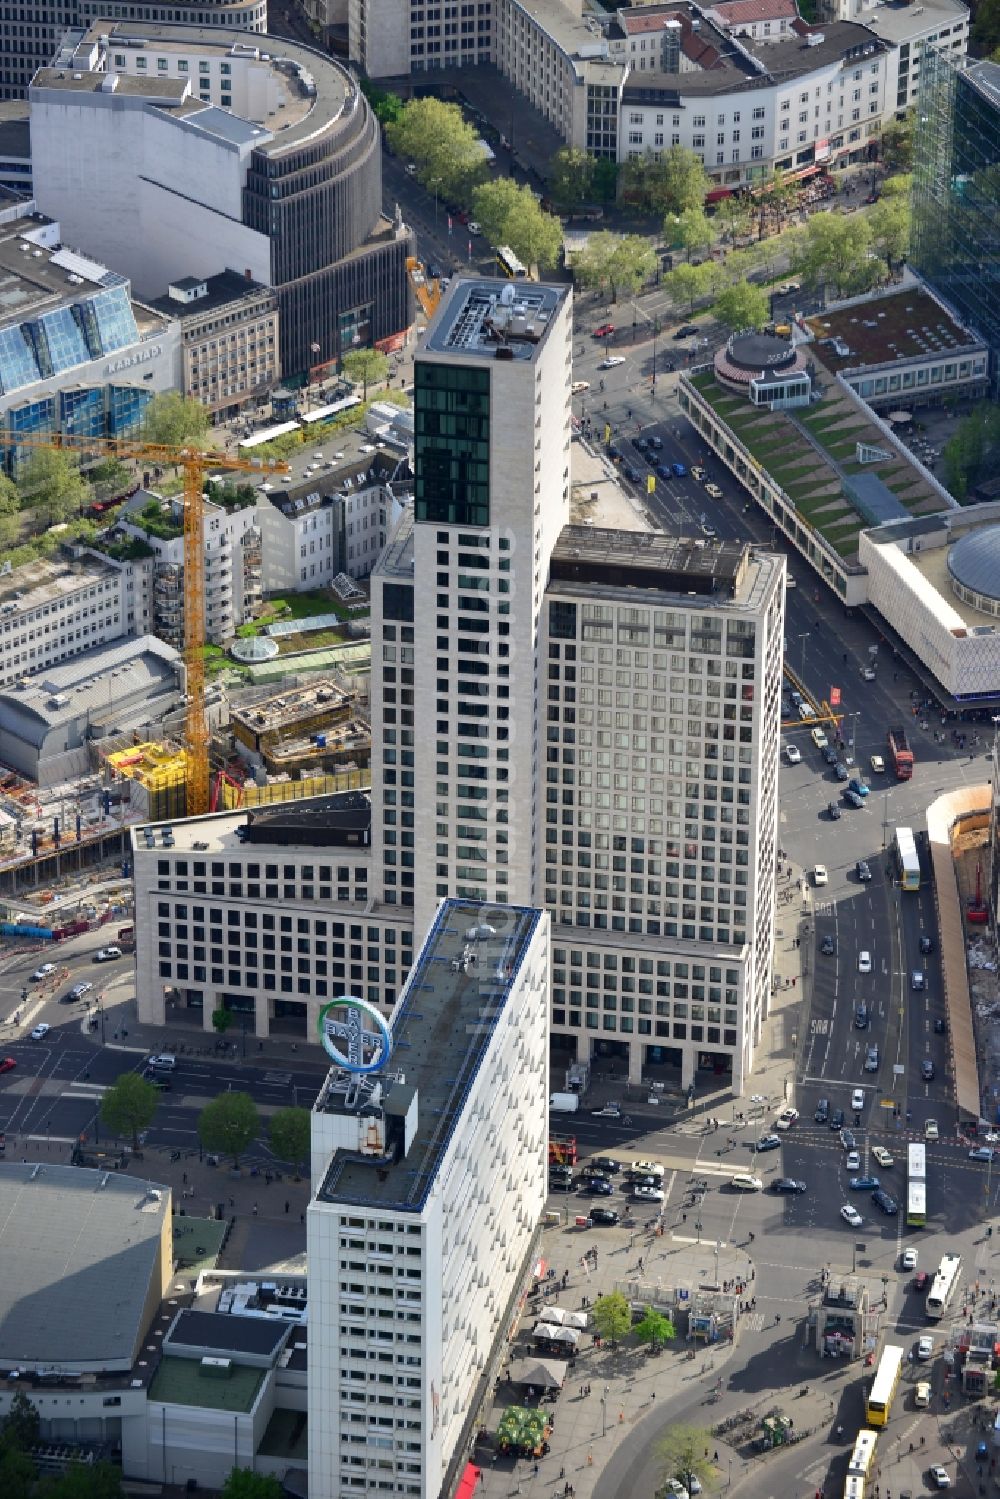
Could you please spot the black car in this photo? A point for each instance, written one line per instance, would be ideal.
(927, 1070)
(597, 1188)
(607, 1163)
(688, 331)
(656, 442)
(861, 1016)
(606, 1216)
(766, 1142)
(829, 754)
(828, 945)
(940, 1026)
(433, 271)
(927, 944)
(631, 472)
(822, 1113)
(787, 1184)
(837, 1119)
(833, 811)
(643, 1181)
(562, 1184)
(847, 1139)
(882, 1200)
(158, 1080)
(558, 1170)
(862, 868)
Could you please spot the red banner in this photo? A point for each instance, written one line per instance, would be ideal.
(834, 697)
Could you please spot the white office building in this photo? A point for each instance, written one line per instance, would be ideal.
(429, 1181)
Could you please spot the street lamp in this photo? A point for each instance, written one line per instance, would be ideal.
(604, 1411)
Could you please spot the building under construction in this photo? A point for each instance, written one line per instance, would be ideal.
(304, 730)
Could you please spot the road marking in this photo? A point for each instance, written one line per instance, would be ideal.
(279, 1079)
(93, 1092)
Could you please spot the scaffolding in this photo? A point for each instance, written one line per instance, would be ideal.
(157, 777)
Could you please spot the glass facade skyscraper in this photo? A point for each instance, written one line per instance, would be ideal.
(956, 190)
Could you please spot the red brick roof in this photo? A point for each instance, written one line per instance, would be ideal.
(736, 12)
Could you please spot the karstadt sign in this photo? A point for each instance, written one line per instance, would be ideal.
(129, 361)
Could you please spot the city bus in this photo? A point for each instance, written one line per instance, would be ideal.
(907, 863)
(944, 1285)
(510, 265)
(916, 1186)
(879, 1402)
(860, 1467)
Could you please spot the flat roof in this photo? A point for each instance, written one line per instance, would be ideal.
(41, 581)
(481, 317)
(225, 1334)
(322, 822)
(585, 555)
(320, 466)
(790, 57)
(907, 324)
(901, 21)
(80, 1252)
(183, 1381)
(223, 290)
(219, 832)
(985, 75)
(442, 1028)
(327, 92)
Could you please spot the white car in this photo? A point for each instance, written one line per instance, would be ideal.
(857, 1100)
(939, 1477)
(884, 1157)
(646, 1168)
(473, 227)
(853, 1162)
(925, 1346)
(851, 1215)
(922, 1394)
(714, 491)
(793, 754)
(786, 1118)
(819, 739)
(579, 386)
(821, 875)
(909, 1259)
(675, 1486)
(79, 990)
(40, 1032)
(42, 972)
(107, 954)
(869, 673)
(612, 362)
(931, 1131)
(878, 764)
(647, 1194)
(864, 962)
(806, 710)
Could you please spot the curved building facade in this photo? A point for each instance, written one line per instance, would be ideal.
(180, 152)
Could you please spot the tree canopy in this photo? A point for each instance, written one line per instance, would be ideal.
(690, 229)
(612, 1316)
(244, 1483)
(682, 1452)
(654, 1328)
(889, 227)
(364, 365)
(51, 486)
(511, 215)
(742, 305)
(440, 142)
(973, 451)
(571, 178)
(290, 1132)
(615, 262)
(832, 250)
(229, 1124)
(128, 1106)
(175, 420)
(676, 182)
(688, 284)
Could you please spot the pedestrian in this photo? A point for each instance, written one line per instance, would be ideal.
(715, 1457)
(287, 1205)
(590, 1459)
(255, 1210)
(184, 1177)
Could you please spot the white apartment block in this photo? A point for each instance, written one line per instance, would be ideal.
(233, 565)
(52, 610)
(569, 717)
(429, 1182)
(942, 24)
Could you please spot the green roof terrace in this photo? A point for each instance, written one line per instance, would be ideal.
(183, 1381)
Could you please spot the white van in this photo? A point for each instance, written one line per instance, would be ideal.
(162, 1063)
(746, 1183)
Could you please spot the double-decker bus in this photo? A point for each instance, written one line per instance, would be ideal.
(861, 1465)
(907, 863)
(879, 1401)
(510, 265)
(916, 1186)
(944, 1285)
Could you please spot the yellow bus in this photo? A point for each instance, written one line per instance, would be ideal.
(883, 1388)
(860, 1467)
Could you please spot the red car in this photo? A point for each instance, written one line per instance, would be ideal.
(604, 331)
(7, 1064)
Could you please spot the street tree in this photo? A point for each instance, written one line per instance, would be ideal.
(362, 366)
(973, 450)
(290, 1132)
(655, 1329)
(21, 1425)
(51, 486)
(17, 1473)
(244, 1483)
(889, 225)
(734, 217)
(692, 230)
(571, 178)
(897, 144)
(228, 1124)
(832, 251)
(100, 1481)
(689, 284)
(776, 196)
(742, 306)
(612, 1316)
(386, 107)
(511, 215)
(222, 1019)
(440, 142)
(616, 262)
(680, 181)
(682, 1453)
(10, 506)
(900, 186)
(176, 420)
(128, 1106)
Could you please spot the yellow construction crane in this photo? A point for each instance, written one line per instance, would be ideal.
(193, 464)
